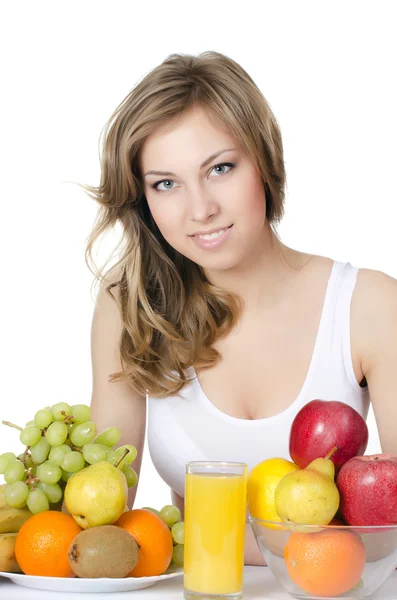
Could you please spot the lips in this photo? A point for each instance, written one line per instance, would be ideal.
(210, 231)
(212, 241)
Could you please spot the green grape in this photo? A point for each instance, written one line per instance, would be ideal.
(5, 460)
(178, 532)
(43, 418)
(93, 453)
(131, 476)
(48, 473)
(129, 458)
(66, 475)
(16, 494)
(27, 458)
(30, 435)
(82, 433)
(39, 451)
(57, 433)
(177, 555)
(112, 457)
(53, 491)
(153, 510)
(170, 514)
(58, 408)
(29, 423)
(105, 448)
(81, 412)
(109, 437)
(15, 472)
(73, 462)
(37, 501)
(56, 455)
(120, 464)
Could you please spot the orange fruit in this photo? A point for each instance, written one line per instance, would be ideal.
(42, 544)
(327, 563)
(154, 539)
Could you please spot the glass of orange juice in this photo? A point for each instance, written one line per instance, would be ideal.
(215, 518)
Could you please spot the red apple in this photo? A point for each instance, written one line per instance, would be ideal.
(323, 424)
(368, 490)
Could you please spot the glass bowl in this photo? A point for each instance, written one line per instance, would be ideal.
(331, 561)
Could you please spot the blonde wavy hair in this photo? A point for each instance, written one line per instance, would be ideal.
(171, 313)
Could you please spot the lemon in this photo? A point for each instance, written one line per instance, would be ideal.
(262, 482)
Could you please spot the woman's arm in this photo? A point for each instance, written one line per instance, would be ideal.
(252, 554)
(375, 318)
(114, 404)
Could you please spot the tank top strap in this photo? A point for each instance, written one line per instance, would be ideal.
(336, 340)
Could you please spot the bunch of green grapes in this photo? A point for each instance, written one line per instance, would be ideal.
(60, 441)
(171, 515)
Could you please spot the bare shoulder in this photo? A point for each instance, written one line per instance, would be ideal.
(374, 314)
(107, 309)
(109, 287)
(375, 292)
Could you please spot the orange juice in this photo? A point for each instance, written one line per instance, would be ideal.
(215, 517)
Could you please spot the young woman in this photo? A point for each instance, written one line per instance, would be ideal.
(207, 317)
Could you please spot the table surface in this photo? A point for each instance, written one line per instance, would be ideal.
(259, 583)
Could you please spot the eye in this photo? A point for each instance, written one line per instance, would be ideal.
(221, 165)
(155, 185)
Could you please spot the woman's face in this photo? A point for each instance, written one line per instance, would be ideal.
(211, 212)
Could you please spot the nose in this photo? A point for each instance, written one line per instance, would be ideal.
(202, 205)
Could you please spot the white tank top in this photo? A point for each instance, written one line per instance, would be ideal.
(189, 427)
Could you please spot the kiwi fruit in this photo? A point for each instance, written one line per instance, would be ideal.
(103, 551)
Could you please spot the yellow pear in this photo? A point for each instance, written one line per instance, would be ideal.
(96, 495)
(309, 496)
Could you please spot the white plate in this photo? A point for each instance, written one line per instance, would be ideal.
(74, 584)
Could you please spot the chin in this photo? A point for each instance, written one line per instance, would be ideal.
(218, 264)
(213, 261)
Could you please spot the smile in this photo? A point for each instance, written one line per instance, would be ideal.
(213, 240)
(211, 236)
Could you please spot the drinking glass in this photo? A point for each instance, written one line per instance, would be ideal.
(215, 519)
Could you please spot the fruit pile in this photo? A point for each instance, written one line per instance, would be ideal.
(328, 481)
(63, 508)
(60, 441)
(328, 473)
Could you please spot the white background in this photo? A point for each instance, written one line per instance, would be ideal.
(328, 70)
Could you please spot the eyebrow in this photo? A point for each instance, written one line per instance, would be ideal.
(205, 163)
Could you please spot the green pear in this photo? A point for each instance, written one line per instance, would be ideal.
(309, 496)
(96, 495)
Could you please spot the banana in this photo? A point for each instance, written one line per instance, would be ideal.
(12, 519)
(8, 561)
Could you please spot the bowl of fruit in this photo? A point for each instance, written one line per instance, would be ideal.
(326, 521)
(327, 561)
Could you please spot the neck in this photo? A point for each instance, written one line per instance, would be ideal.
(262, 281)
